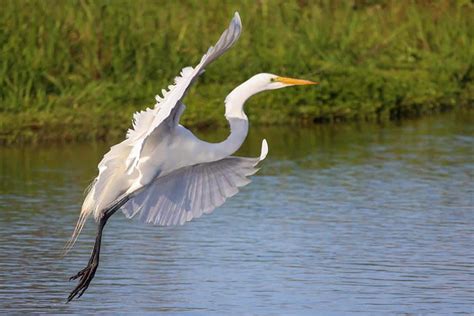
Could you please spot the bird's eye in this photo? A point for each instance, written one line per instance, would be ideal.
(273, 80)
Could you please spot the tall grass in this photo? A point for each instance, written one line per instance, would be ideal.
(78, 69)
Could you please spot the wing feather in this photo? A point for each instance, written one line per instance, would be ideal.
(147, 121)
(204, 198)
(122, 159)
(189, 192)
(229, 187)
(220, 195)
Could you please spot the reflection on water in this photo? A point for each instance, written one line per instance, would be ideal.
(341, 219)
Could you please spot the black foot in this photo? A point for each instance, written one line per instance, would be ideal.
(86, 275)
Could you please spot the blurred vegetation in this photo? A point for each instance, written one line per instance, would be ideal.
(72, 70)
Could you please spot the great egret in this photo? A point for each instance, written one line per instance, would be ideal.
(162, 173)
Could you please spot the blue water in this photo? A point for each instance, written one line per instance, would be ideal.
(345, 219)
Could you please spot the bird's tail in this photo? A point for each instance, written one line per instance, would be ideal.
(86, 210)
(77, 231)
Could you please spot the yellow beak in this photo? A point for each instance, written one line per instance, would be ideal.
(294, 81)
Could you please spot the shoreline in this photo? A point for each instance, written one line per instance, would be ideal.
(45, 128)
(78, 70)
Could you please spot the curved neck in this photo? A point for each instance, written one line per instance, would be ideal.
(238, 121)
(239, 128)
(234, 113)
(234, 103)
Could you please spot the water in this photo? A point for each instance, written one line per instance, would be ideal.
(348, 219)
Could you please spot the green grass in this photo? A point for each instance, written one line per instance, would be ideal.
(72, 70)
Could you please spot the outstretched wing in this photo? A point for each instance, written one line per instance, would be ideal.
(169, 106)
(189, 192)
(123, 157)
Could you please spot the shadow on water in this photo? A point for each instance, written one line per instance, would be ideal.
(343, 219)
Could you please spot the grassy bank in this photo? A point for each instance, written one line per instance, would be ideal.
(77, 69)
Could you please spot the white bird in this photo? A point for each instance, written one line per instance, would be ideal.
(162, 173)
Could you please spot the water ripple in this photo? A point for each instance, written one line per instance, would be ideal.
(375, 221)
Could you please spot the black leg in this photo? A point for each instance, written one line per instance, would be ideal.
(87, 274)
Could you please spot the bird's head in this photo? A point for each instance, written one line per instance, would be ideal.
(265, 81)
(258, 83)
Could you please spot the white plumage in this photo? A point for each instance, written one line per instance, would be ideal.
(132, 164)
(162, 173)
(191, 191)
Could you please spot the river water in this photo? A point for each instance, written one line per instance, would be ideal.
(344, 219)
